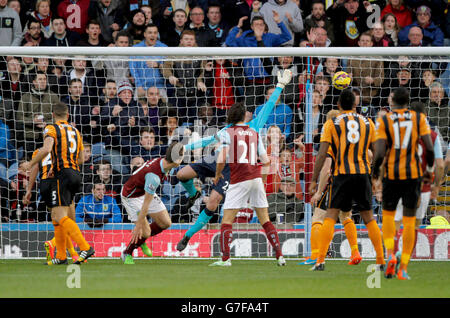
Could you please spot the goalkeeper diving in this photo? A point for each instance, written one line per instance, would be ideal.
(207, 167)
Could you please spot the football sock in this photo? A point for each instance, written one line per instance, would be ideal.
(69, 246)
(60, 240)
(155, 229)
(326, 235)
(350, 232)
(74, 232)
(189, 186)
(396, 241)
(388, 230)
(409, 227)
(226, 236)
(375, 237)
(132, 246)
(202, 220)
(272, 236)
(315, 231)
(53, 240)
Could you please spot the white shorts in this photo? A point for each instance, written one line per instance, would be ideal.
(252, 192)
(134, 206)
(421, 209)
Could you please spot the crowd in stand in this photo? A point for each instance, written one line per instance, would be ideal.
(130, 110)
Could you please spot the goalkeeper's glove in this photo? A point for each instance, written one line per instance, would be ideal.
(284, 78)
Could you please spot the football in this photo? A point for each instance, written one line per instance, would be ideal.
(341, 80)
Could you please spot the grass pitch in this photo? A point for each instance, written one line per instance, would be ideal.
(174, 278)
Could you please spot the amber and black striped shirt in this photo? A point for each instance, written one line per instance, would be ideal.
(44, 166)
(402, 129)
(67, 147)
(350, 136)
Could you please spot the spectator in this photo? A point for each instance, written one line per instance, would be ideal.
(34, 112)
(110, 178)
(43, 16)
(17, 6)
(14, 82)
(281, 116)
(171, 28)
(147, 147)
(256, 70)
(117, 68)
(136, 27)
(216, 23)
(154, 108)
(188, 78)
(437, 108)
(234, 10)
(379, 37)
(432, 34)
(401, 12)
(280, 10)
(97, 209)
(135, 163)
(120, 119)
(8, 153)
(284, 165)
(87, 167)
(349, 21)
(148, 13)
(33, 36)
(286, 203)
(93, 36)
(438, 7)
(391, 27)
(368, 75)
(169, 6)
(170, 130)
(61, 36)
(428, 77)
(331, 65)
(109, 16)
(80, 111)
(155, 5)
(75, 13)
(204, 35)
(43, 64)
(109, 92)
(91, 82)
(147, 73)
(11, 28)
(223, 79)
(318, 18)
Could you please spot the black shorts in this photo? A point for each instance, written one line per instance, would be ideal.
(348, 190)
(323, 201)
(407, 190)
(48, 192)
(208, 170)
(68, 184)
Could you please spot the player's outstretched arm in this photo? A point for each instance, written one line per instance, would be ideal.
(259, 122)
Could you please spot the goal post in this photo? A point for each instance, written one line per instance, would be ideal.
(130, 103)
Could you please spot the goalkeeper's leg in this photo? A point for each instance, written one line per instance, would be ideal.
(186, 176)
(214, 200)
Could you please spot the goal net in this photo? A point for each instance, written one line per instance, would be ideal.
(130, 103)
